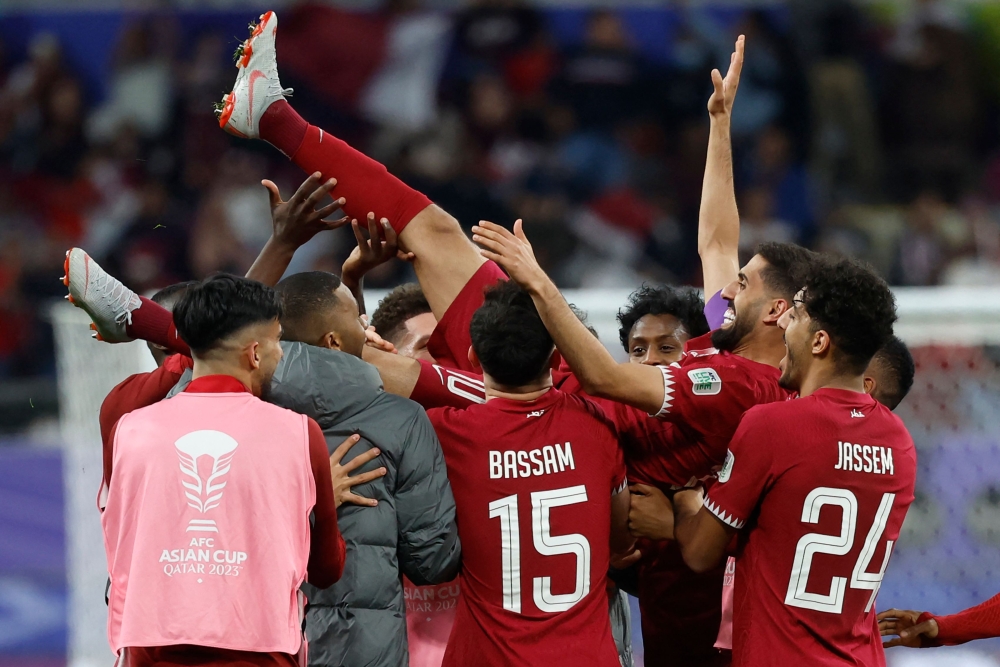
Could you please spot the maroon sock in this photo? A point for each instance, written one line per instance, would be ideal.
(282, 127)
(154, 323)
(363, 182)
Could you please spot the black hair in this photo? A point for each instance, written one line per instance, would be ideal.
(895, 360)
(171, 294)
(306, 298)
(509, 337)
(213, 310)
(684, 303)
(849, 301)
(788, 265)
(399, 305)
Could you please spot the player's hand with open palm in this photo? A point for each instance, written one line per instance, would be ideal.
(343, 482)
(297, 220)
(720, 104)
(380, 246)
(904, 624)
(512, 252)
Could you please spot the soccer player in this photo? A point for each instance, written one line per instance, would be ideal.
(817, 501)
(411, 526)
(404, 318)
(924, 629)
(889, 376)
(542, 502)
(209, 535)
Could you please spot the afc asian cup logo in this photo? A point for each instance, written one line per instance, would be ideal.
(204, 494)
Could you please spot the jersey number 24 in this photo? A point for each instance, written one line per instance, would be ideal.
(837, 545)
(545, 544)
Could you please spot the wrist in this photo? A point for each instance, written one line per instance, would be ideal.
(280, 247)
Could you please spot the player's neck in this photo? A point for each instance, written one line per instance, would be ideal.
(827, 377)
(203, 368)
(527, 392)
(764, 347)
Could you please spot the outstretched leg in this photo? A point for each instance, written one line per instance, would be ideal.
(445, 259)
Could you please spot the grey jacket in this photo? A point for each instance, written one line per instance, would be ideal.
(360, 621)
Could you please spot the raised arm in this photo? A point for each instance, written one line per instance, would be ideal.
(294, 222)
(718, 218)
(380, 247)
(600, 375)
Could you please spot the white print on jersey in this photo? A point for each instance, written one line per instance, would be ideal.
(204, 494)
(727, 467)
(460, 385)
(864, 458)
(811, 544)
(547, 460)
(857, 414)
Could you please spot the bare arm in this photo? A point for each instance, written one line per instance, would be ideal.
(378, 248)
(599, 374)
(701, 537)
(621, 539)
(718, 218)
(399, 374)
(294, 222)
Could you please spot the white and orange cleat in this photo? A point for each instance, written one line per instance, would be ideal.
(257, 85)
(108, 302)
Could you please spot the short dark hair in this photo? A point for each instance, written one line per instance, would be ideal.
(895, 359)
(788, 265)
(213, 310)
(396, 307)
(509, 337)
(854, 305)
(306, 297)
(171, 294)
(684, 303)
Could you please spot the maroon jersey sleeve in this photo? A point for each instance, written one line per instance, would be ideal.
(979, 622)
(138, 391)
(744, 476)
(707, 398)
(326, 549)
(450, 342)
(440, 387)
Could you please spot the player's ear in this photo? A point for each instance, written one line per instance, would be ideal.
(870, 385)
(330, 341)
(777, 309)
(555, 360)
(252, 354)
(820, 343)
(474, 360)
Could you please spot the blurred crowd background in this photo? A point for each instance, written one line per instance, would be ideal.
(864, 128)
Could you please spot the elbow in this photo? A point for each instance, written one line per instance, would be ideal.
(596, 384)
(699, 560)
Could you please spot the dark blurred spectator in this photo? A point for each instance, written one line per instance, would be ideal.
(774, 168)
(759, 222)
(601, 80)
(929, 112)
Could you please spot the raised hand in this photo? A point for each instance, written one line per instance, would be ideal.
(373, 339)
(651, 514)
(720, 104)
(297, 220)
(380, 246)
(343, 482)
(512, 252)
(903, 622)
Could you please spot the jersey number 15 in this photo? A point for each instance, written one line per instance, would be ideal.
(837, 545)
(545, 544)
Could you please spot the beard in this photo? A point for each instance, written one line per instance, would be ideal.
(265, 388)
(728, 339)
(787, 381)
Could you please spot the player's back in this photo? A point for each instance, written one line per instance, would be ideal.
(835, 487)
(533, 483)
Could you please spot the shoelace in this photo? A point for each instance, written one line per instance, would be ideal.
(117, 296)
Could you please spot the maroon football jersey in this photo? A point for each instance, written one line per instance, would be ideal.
(533, 483)
(818, 488)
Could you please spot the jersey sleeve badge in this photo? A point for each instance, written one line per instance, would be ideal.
(705, 382)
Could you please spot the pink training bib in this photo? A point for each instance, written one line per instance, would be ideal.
(206, 524)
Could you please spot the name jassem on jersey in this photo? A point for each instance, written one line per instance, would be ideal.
(864, 458)
(545, 460)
